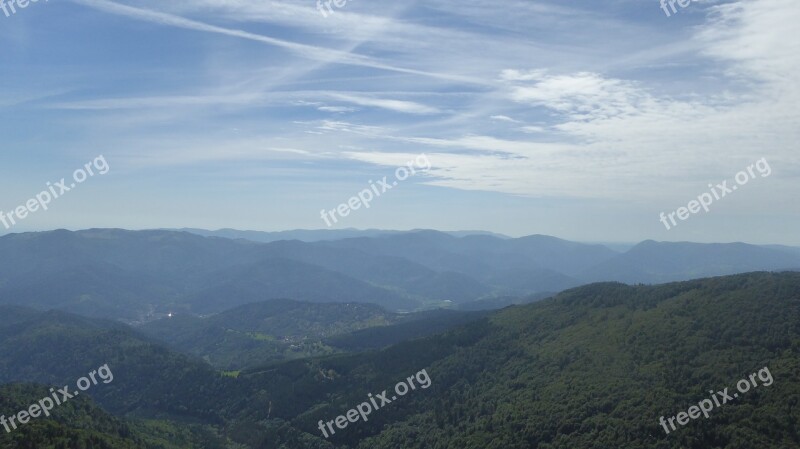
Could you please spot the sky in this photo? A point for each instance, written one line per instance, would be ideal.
(585, 120)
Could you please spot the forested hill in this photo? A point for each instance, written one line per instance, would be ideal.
(284, 329)
(594, 367)
(80, 424)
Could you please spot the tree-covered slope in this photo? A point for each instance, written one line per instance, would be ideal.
(80, 423)
(267, 331)
(412, 326)
(76, 424)
(284, 329)
(56, 348)
(594, 367)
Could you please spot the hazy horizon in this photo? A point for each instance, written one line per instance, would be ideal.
(611, 244)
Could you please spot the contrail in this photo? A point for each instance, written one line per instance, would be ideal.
(323, 54)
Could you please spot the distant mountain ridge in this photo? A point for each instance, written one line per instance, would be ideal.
(658, 262)
(312, 235)
(139, 276)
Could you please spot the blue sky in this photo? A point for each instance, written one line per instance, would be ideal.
(584, 120)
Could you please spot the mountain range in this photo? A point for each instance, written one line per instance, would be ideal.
(313, 235)
(139, 276)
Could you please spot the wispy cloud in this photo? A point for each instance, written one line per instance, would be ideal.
(322, 54)
(504, 118)
(408, 107)
(598, 104)
(336, 109)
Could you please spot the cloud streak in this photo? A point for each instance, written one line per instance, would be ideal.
(325, 55)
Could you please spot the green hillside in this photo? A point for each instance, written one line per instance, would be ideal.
(594, 367)
(283, 329)
(76, 424)
(56, 348)
(264, 332)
